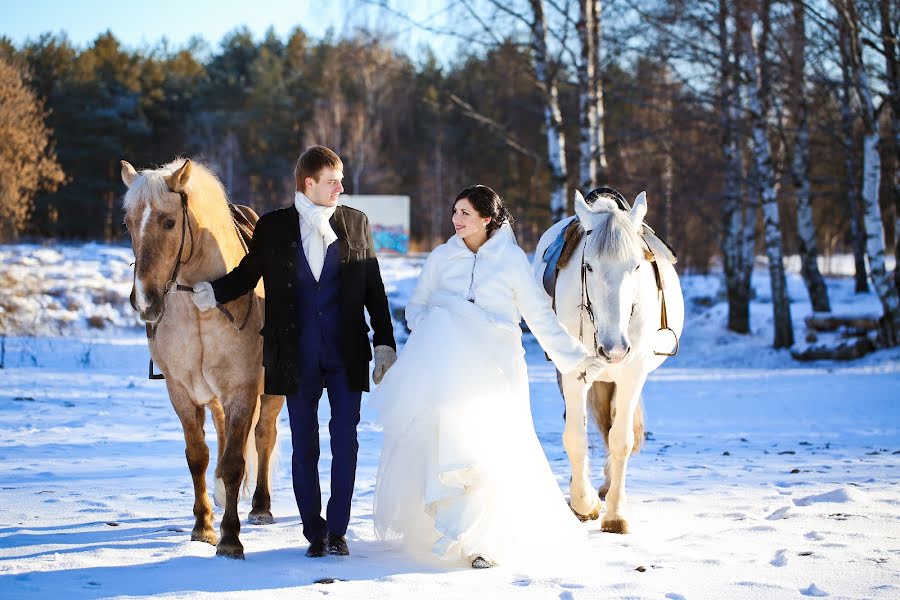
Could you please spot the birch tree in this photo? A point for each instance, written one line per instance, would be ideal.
(762, 155)
(598, 137)
(806, 232)
(887, 12)
(737, 273)
(851, 45)
(556, 141)
(851, 166)
(587, 109)
(592, 165)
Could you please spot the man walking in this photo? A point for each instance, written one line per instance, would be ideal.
(318, 265)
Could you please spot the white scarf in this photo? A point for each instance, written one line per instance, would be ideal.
(316, 233)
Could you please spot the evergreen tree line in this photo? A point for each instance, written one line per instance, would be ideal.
(413, 126)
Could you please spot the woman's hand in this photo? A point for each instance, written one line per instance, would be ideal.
(591, 369)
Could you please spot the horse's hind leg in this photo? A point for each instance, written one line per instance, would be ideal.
(603, 408)
(620, 443)
(197, 453)
(584, 502)
(238, 416)
(270, 407)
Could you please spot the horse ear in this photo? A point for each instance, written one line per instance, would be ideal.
(178, 180)
(584, 211)
(128, 173)
(638, 210)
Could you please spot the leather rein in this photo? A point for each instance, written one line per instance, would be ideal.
(173, 286)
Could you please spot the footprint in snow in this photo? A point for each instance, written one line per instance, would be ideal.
(812, 590)
(674, 596)
(780, 559)
(781, 513)
(815, 536)
(840, 496)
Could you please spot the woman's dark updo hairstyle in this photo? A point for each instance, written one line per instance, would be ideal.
(488, 204)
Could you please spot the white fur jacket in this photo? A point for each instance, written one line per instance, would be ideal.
(499, 279)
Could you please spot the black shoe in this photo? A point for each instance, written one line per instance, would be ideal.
(481, 563)
(317, 549)
(337, 545)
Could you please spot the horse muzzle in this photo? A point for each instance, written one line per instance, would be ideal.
(614, 355)
(150, 306)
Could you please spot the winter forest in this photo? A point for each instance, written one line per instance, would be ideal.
(766, 134)
(756, 127)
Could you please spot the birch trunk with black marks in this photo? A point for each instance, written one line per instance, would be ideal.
(875, 238)
(851, 165)
(556, 141)
(737, 280)
(587, 114)
(806, 230)
(892, 70)
(762, 154)
(598, 138)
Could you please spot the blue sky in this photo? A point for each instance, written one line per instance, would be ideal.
(140, 24)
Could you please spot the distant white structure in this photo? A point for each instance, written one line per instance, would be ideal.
(388, 217)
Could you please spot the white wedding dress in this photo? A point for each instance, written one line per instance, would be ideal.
(462, 473)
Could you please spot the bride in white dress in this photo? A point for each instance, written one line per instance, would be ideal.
(462, 474)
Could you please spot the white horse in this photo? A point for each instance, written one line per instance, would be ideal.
(608, 294)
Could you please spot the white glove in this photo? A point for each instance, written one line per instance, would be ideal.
(204, 296)
(385, 356)
(590, 370)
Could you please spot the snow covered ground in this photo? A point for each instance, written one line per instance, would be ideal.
(761, 478)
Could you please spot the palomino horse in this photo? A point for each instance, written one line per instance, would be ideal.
(608, 293)
(182, 232)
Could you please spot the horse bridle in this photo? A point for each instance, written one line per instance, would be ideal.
(172, 284)
(585, 306)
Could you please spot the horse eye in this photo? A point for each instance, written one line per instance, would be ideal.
(169, 224)
(124, 226)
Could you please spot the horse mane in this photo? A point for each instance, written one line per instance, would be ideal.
(152, 184)
(614, 237)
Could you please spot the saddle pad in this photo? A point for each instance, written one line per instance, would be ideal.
(559, 252)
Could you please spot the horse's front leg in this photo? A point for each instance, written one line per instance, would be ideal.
(582, 498)
(197, 453)
(218, 417)
(238, 417)
(270, 407)
(620, 443)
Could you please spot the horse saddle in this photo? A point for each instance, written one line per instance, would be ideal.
(245, 220)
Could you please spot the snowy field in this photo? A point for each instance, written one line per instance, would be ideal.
(761, 478)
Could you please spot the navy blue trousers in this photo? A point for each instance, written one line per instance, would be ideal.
(320, 370)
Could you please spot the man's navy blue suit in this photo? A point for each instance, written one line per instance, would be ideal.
(316, 336)
(317, 305)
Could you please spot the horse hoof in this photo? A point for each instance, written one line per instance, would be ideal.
(261, 518)
(205, 535)
(235, 551)
(614, 525)
(591, 516)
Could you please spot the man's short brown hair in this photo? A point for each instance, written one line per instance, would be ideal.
(312, 161)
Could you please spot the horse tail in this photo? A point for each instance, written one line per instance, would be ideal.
(601, 403)
(251, 458)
